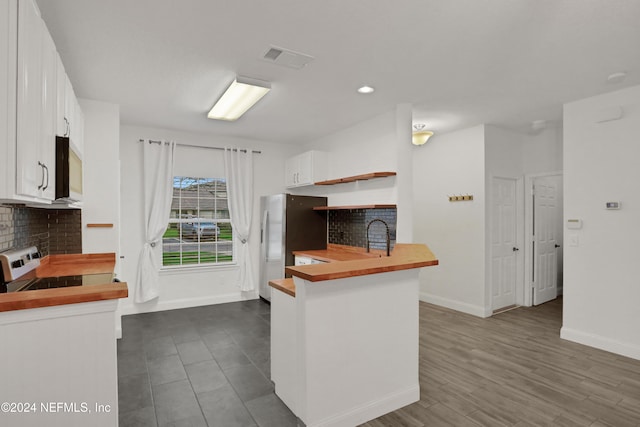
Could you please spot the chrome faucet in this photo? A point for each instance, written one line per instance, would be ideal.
(388, 235)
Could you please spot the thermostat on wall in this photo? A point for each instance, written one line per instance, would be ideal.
(574, 224)
(613, 205)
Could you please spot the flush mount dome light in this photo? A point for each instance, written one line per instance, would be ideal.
(420, 136)
(241, 95)
(366, 89)
(616, 78)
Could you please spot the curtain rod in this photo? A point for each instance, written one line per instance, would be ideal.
(198, 146)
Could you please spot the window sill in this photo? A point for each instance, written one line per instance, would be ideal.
(182, 269)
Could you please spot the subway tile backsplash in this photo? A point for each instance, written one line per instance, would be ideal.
(349, 227)
(53, 231)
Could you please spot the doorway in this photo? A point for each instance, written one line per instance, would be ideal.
(544, 251)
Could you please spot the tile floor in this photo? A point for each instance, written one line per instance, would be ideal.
(202, 366)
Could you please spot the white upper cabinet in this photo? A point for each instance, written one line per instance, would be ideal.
(34, 90)
(31, 168)
(305, 169)
(62, 127)
(69, 117)
(76, 127)
(8, 58)
(47, 143)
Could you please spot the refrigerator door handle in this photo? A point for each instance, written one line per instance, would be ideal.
(264, 234)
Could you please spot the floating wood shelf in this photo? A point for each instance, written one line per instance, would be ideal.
(101, 225)
(356, 178)
(337, 208)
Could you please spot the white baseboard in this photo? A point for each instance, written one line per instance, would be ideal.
(187, 303)
(603, 343)
(464, 307)
(371, 410)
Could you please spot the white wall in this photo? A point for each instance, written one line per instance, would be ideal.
(503, 159)
(464, 162)
(193, 287)
(503, 152)
(543, 152)
(451, 164)
(366, 147)
(601, 289)
(380, 144)
(101, 163)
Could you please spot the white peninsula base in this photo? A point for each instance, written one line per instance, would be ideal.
(59, 366)
(345, 351)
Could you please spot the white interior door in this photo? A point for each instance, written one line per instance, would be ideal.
(504, 248)
(547, 238)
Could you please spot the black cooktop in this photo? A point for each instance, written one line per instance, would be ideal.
(56, 282)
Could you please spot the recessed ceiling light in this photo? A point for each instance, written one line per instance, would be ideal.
(365, 89)
(537, 125)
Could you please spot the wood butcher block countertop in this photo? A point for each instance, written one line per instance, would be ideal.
(67, 265)
(345, 261)
(335, 253)
(284, 285)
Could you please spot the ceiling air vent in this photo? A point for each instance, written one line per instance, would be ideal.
(286, 58)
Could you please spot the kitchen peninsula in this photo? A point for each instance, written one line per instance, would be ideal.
(59, 344)
(344, 334)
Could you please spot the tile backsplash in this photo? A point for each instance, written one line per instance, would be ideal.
(349, 227)
(53, 231)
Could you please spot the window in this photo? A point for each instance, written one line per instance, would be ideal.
(199, 231)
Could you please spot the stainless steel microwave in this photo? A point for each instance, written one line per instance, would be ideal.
(68, 171)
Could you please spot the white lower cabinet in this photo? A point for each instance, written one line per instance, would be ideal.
(302, 260)
(305, 260)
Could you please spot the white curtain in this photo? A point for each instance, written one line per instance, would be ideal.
(238, 165)
(158, 192)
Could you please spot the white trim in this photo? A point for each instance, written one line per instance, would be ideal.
(601, 342)
(527, 284)
(463, 307)
(193, 268)
(188, 303)
(372, 410)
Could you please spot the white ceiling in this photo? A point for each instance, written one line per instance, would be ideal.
(459, 62)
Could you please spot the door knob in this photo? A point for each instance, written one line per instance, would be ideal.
(557, 246)
(515, 249)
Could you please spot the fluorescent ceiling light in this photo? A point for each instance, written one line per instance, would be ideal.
(238, 98)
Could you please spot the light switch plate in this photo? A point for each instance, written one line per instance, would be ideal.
(574, 240)
(574, 224)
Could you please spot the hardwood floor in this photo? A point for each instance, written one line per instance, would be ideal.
(514, 370)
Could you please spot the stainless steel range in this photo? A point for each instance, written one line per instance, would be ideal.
(15, 264)
(17, 273)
